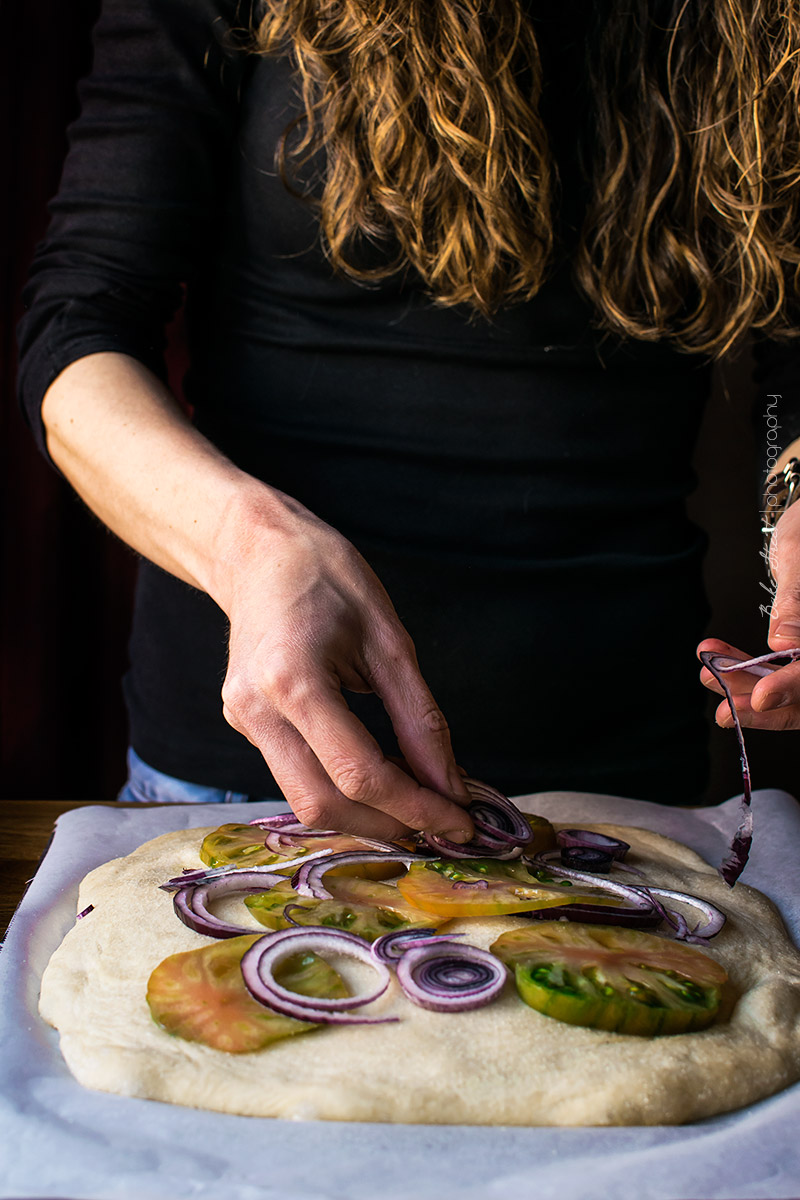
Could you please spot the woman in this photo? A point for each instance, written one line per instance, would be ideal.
(455, 276)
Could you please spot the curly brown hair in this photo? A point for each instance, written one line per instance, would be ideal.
(426, 114)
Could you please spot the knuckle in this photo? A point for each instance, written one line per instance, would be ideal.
(433, 720)
(285, 681)
(354, 780)
(312, 811)
(235, 693)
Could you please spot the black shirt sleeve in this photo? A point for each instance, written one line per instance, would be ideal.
(140, 188)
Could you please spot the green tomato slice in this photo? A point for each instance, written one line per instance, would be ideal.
(365, 907)
(200, 996)
(605, 977)
(485, 887)
(243, 846)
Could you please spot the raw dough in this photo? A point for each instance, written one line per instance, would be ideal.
(500, 1065)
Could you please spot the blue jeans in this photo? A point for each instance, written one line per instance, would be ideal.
(146, 785)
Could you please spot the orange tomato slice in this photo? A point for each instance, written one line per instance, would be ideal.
(200, 996)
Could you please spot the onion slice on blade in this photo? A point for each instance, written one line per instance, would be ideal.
(450, 978)
(719, 665)
(258, 972)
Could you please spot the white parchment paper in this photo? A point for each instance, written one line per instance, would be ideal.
(59, 1140)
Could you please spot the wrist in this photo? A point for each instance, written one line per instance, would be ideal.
(259, 524)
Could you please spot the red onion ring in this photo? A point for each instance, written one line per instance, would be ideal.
(501, 830)
(548, 856)
(89, 908)
(190, 878)
(190, 903)
(392, 946)
(719, 664)
(283, 821)
(259, 963)
(452, 979)
(593, 841)
(635, 896)
(714, 919)
(308, 880)
(599, 914)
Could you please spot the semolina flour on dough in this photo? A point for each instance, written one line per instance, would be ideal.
(503, 1064)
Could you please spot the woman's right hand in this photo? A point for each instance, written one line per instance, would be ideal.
(307, 615)
(308, 618)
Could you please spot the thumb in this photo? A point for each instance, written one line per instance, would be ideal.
(784, 625)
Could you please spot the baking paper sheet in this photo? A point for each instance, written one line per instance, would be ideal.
(59, 1140)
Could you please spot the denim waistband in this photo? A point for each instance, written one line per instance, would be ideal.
(146, 785)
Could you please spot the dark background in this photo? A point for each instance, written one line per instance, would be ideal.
(65, 594)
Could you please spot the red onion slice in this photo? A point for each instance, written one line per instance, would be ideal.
(190, 878)
(308, 880)
(392, 946)
(594, 841)
(711, 919)
(191, 903)
(548, 856)
(599, 914)
(284, 822)
(501, 830)
(259, 963)
(633, 895)
(719, 664)
(586, 858)
(454, 978)
(89, 908)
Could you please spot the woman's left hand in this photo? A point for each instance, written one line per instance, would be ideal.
(772, 701)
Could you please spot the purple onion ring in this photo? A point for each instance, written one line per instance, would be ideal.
(452, 978)
(259, 963)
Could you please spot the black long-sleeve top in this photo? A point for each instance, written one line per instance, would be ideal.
(518, 487)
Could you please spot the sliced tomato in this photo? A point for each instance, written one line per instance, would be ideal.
(244, 846)
(543, 835)
(365, 907)
(605, 977)
(483, 887)
(200, 996)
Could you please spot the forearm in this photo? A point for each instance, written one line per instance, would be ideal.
(122, 441)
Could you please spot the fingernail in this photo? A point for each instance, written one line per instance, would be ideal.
(456, 835)
(788, 629)
(457, 785)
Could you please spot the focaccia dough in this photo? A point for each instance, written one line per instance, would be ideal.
(503, 1064)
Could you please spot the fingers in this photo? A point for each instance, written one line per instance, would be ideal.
(308, 790)
(784, 624)
(769, 701)
(357, 768)
(341, 761)
(741, 683)
(420, 726)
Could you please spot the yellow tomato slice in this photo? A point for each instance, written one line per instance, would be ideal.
(479, 888)
(200, 996)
